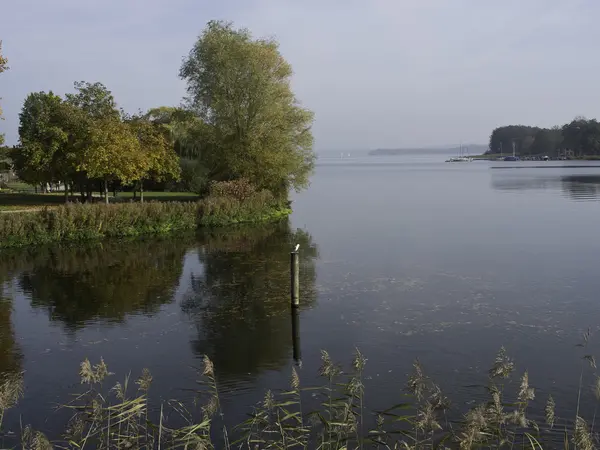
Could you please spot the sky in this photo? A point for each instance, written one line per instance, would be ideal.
(377, 73)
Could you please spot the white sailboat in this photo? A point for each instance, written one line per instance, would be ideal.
(461, 157)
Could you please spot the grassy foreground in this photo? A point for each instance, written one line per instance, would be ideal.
(82, 222)
(120, 417)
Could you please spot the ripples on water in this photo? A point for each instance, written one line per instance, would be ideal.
(403, 257)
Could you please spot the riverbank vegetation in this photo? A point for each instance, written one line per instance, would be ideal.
(232, 132)
(579, 139)
(226, 203)
(109, 414)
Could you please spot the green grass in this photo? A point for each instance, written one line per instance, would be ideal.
(28, 200)
(20, 186)
(160, 196)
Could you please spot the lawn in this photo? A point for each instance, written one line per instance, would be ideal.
(15, 201)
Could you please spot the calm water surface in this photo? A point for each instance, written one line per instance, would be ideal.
(402, 257)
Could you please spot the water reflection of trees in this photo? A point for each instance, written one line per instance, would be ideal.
(103, 281)
(524, 182)
(10, 355)
(241, 300)
(577, 187)
(581, 187)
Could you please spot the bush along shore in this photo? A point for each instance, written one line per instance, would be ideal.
(227, 203)
(120, 417)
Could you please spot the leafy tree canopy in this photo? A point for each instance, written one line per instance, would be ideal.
(240, 87)
(162, 162)
(95, 99)
(582, 136)
(84, 139)
(113, 152)
(42, 135)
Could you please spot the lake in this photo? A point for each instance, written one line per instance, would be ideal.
(401, 257)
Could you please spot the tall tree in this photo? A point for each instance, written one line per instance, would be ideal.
(113, 153)
(191, 139)
(240, 87)
(189, 134)
(3, 68)
(39, 158)
(161, 161)
(95, 99)
(108, 148)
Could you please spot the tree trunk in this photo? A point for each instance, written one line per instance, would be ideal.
(66, 194)
(141, 191)
(106, 191)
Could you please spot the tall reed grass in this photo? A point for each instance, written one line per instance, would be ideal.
(80, 222)
(109, 415)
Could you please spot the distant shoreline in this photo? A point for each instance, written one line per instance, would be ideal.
(498, 156)
(466, 149)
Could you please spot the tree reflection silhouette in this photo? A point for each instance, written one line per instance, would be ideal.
(575, 187)
(10, 355)
(104, 282)
(240, 303)
(582, 187)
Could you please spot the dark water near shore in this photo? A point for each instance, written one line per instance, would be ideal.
(403, 257)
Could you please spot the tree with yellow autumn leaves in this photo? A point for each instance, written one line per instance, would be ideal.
(84, 140)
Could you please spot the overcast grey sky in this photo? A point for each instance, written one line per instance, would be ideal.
(377, 73)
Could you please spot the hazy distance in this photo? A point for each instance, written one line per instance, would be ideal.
(378, 74)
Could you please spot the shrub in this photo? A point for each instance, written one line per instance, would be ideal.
(240, 189)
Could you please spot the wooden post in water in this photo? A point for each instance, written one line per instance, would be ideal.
(295, 277)
(297, 352)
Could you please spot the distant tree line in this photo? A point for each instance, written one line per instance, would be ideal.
(240, 121)
(579, 138)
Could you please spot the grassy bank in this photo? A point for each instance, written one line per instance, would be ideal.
(13, 200)
(82, 222)
(331, 416)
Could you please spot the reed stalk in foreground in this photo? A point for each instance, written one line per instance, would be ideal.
(116, 416)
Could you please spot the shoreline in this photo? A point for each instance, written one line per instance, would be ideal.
(85, 223)
(497, 156)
